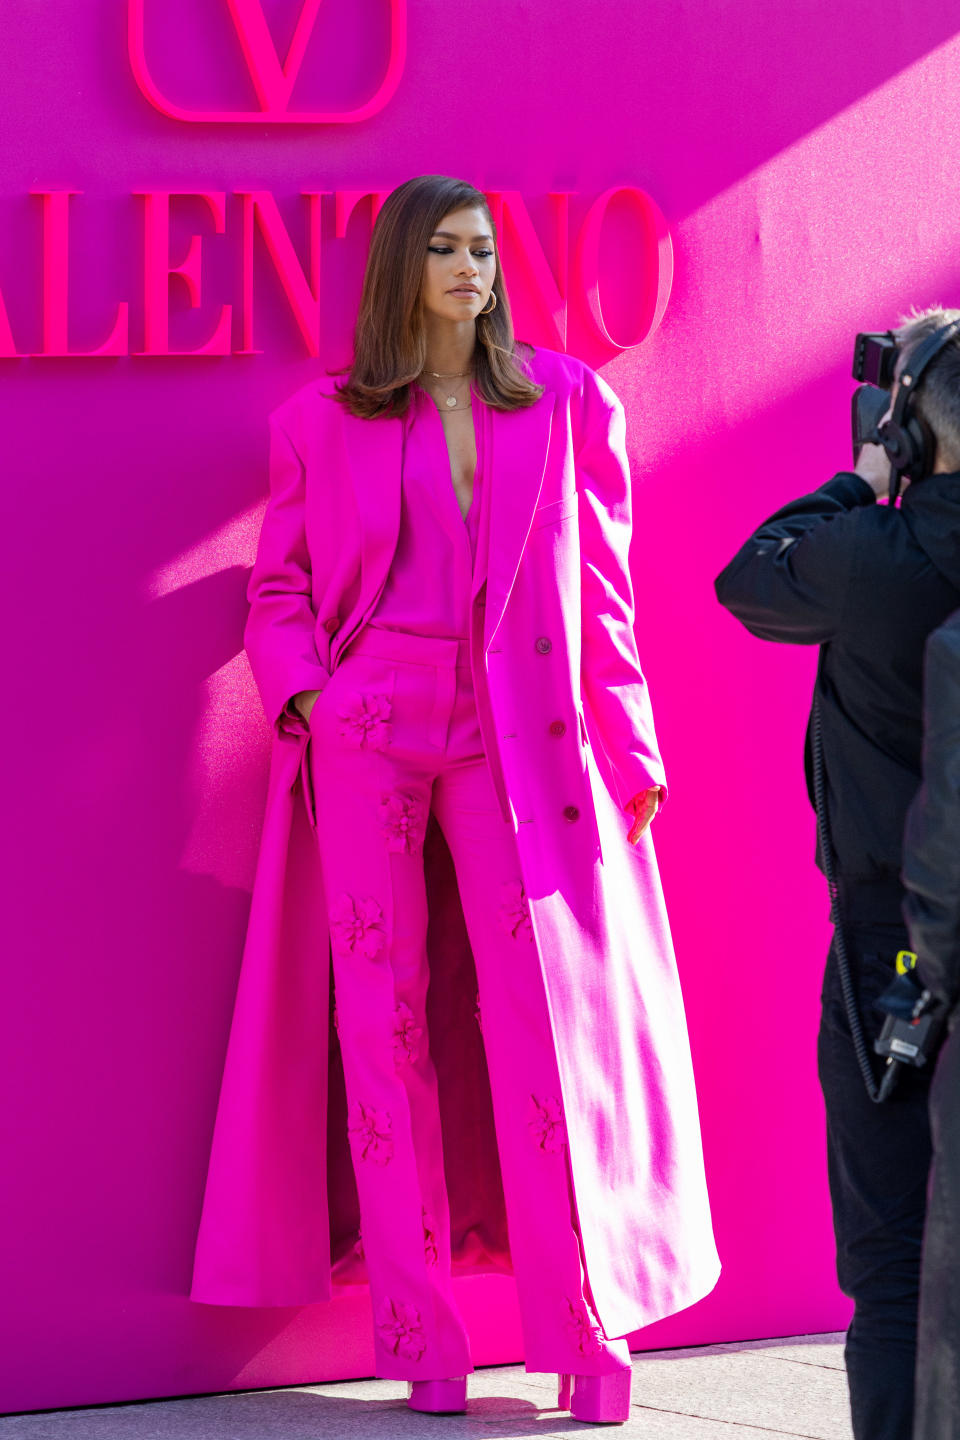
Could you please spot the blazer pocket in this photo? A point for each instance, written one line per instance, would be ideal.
(315, 708)
(555, 511)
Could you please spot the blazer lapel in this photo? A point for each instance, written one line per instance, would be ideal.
(375, 455)
(519, 442)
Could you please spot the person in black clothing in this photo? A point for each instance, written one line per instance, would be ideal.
(868, 583)
(931, 874)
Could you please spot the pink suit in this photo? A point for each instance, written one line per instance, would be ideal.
(396, 738)
(565, 724)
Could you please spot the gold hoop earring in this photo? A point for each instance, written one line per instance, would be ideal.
(492, 306)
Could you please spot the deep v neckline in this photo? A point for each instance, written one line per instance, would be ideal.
(437, 417)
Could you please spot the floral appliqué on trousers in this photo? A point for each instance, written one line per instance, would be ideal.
(407, 1035)
(357, 926)
(583, 1328)
(372, 1132)
(401, 823)
(400, 1329)
(365, 721)
(545, 1123)
(514, 913)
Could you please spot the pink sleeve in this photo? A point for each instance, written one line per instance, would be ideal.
(612, 679)
(279, 635)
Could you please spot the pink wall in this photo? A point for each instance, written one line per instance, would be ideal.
(769, 138)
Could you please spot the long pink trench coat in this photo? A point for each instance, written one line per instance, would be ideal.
(553, 642)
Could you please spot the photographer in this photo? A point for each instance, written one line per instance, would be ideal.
(868, 583)
(931, 873)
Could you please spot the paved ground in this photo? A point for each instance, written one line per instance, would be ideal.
(764, 1390)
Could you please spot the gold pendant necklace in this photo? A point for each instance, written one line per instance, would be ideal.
(450, 400)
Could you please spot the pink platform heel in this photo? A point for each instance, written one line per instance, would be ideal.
(438, 1397)
(598, 1399)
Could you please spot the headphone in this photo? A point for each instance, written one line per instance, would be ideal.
(908, 440)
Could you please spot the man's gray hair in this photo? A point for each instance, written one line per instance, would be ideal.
(937, 398)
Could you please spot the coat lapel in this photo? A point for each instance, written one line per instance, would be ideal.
(519, 443)
(375, 455)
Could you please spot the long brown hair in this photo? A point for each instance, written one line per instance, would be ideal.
(389, 341)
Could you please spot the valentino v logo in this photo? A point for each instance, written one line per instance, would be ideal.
(274, 80)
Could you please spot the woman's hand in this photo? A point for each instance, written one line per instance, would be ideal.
(304, 700)
(643, 807)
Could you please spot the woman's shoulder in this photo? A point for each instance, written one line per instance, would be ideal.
(552, 369)
(313, 403)
(563, 374)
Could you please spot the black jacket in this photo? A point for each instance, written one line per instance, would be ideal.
(867, 583)
(931, 860)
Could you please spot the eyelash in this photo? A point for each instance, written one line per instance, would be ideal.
(448, 249)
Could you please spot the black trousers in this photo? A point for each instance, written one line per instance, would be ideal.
(878, 1158)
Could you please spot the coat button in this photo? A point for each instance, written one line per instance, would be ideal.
(557, 728)
(544, 646)
(571, 813)
(331, 623)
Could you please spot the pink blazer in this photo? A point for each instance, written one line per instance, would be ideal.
(325, 550)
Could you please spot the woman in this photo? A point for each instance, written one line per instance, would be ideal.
(441, 628)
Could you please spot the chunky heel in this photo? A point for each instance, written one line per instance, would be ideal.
(601, 1399)
(563, 1391)
(438, 1397)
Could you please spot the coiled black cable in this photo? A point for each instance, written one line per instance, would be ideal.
(878, 1094)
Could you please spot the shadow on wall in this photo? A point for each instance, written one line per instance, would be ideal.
(192, 638)
(125, 1068)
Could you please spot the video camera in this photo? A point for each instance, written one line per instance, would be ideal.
(874, 363)
(909, 442)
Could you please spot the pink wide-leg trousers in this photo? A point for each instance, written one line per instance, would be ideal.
(395, 735)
